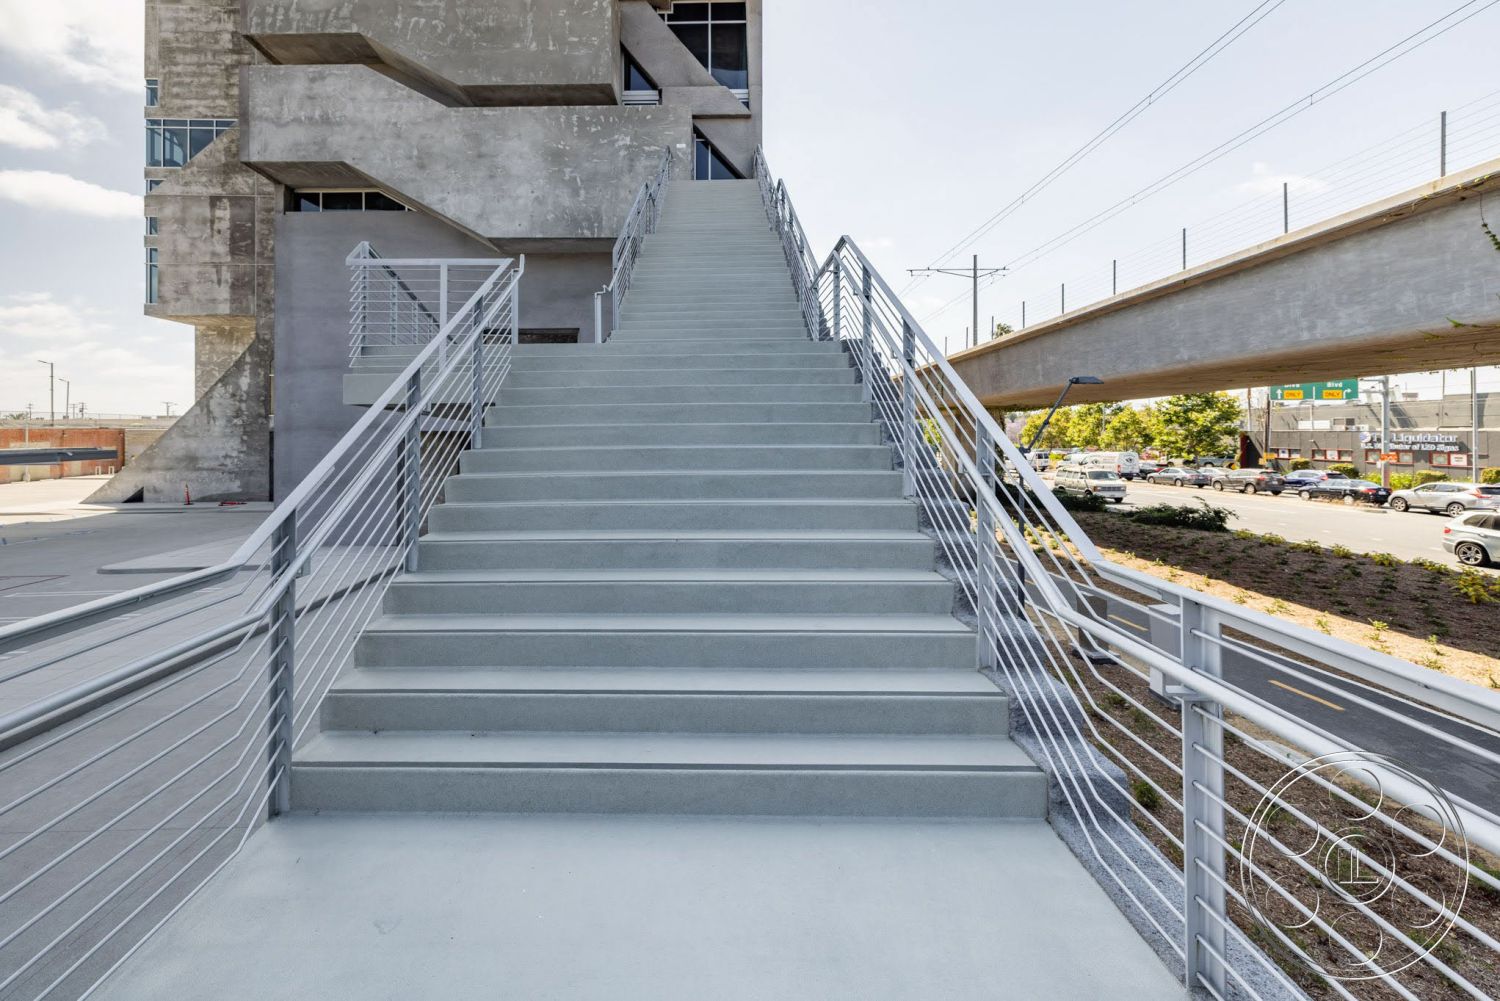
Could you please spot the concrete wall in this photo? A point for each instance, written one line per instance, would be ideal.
(1409, 284)
(540, 177)
(480, 52)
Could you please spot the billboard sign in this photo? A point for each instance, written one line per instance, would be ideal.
(1339, 389)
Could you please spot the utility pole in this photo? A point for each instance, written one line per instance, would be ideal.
(1443, 145)
(169, 407)
(1385, 429)
(51, 391)
(973, 273)
(1474, 416)
(67, 398)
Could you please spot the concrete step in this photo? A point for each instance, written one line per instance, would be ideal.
(843, 392)
(703, 774)
(613, 459)
(691, 330)
(727, 640)
(698, 592)
(712, 311)
(647, 434)
(667, 516)
(655, 549)
(707, 347)
(697, 365)
(674, 485)
(673, 299)
(686, 413)
(686, 700)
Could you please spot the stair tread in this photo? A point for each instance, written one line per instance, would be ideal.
(666, 622)
(649, 576)
(801, 752)
(687, 534)
(669, 680)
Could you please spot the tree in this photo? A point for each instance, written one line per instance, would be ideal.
(1197, 424)
(1130, 430)
(1071, 427)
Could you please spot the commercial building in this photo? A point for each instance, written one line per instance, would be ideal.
(1425, 434)
(279, 135)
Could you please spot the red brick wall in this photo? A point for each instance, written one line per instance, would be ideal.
(44, 437)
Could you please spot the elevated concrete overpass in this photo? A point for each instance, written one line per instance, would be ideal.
(1409, 283)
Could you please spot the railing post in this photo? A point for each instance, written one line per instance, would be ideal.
(599, 316)
(477, 401)
(866, 360)
(283, 664)
(987, 570)
(910, 435)
(411, 473)
(1204, 912)
(838, 299)
(442, 296)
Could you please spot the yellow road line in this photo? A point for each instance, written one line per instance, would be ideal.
(1305, 695)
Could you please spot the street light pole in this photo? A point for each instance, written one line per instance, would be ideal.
(1077, 380)
(51, 391)
(67, 398)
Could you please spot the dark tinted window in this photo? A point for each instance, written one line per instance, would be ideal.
(635, 77)
(1482, 521)
(695, 38)
(377, 201)
(1490, 491)
(688, 12)
(343, 201)
(731, 56)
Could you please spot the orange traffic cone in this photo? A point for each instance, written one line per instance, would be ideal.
(187, 498)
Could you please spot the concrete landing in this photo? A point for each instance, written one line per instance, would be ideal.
(605, 909)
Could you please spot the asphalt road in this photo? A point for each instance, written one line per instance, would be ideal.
(1360, 528)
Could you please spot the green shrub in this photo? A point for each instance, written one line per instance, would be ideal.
(1405, 481)
(1297, 464)
(1491, 475)
(1385, 560)
(1477, 587)
(1080, 502)
(1204, 517)
(1144, 794)
(1344, 469)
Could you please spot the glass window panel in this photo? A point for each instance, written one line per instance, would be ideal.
(151, 229)
(308, 201)
(695, 38)
(689, 12)
(731, 56)
(343, 201)
(379, 201)
(198, 140)
(728, 12)
(153, 93)
(152, 184)
(176, 122)
(700, 161)
(635, 77)
(174, 146)
(153, 146)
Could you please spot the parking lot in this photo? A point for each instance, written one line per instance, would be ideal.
(1360, 528)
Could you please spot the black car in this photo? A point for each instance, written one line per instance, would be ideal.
(1348, 491)
(1249, 481)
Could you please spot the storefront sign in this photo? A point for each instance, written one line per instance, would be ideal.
(1412, 442)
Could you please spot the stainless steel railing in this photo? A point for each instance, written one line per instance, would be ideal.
(799, 256)
(640, 222)
(1228, 828)
(397, 305)
(152, 731)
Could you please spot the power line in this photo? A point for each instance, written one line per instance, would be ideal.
(1259, 13)
(1380, 60)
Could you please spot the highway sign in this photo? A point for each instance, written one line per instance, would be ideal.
(1341, 389)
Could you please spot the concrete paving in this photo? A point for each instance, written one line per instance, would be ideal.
(569, 909)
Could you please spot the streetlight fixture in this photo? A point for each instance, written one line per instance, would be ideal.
(1076, 380)
(51, 391)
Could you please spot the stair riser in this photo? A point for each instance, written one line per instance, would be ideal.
(695, 791)
(680, 434)
(684, 394)
(654, 516)
(711, 350)
(685, 554)
(705, 313)
(657, 597)
(646, 486)
(932, 715)
(669, 413)
(701, 329)
(716, 368)
(684, 649)
(642, 459)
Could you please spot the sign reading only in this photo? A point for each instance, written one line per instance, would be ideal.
(1341, 389)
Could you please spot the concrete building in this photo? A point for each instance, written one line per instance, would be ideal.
(280, 134)
(1435, 435)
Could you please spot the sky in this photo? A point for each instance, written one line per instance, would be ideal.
(903, 125)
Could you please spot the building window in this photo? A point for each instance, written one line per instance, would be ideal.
(172, 142)
(151, 229)
(152, 183)
(151, 276)
(708, 165)
(717, 34)
(153, 93)
(1372, 456)
(345, 201)
(640, 89)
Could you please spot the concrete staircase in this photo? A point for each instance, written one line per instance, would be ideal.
(679, 577)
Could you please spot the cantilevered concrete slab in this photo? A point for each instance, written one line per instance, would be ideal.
(483, 908)
(1409, 283)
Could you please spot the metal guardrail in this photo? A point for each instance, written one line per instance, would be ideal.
(1229, 829)
(397, 305)
(640, 222)
(152, 731)
(799, 256)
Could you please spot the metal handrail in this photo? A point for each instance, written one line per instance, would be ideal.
(1035, 583)
(794, 243)
(640, 222)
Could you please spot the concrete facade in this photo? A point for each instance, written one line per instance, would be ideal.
(1425, 434)
(1406, 284)
(500, 124)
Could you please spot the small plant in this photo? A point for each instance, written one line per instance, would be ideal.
(1475, 586)
(1431, 566)
(1491, 475)
(1272, 539)
(1240, 597)
(1377, 637)
(1344, 469)
(1385, 560)
(1278, 607)
(1494, 681)
(1144, 793)
(1433, 658)
(1406, 481)
(1080, 502)
(1114, 700)
(1324, 625)
(1246, 535)
(1204, 517)
(1342, 552)
(1306, 546)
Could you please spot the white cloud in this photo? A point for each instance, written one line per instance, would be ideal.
(1264, 182)
(96, 42)
(37, 316)
(26, 123)
(44, 189)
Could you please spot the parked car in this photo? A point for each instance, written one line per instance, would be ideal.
(1149, 466)
(1221, 461)
(1126, 464)
(1248, 481)
(1349, 491)
(1474, 538)
(1453, 499)
(1179, 476)
(1297, 477)
(1084, 480)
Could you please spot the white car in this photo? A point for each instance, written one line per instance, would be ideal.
(1090, 480)
(1126, 464)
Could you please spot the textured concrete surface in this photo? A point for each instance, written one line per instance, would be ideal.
(1405, 284)
(592, 908)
